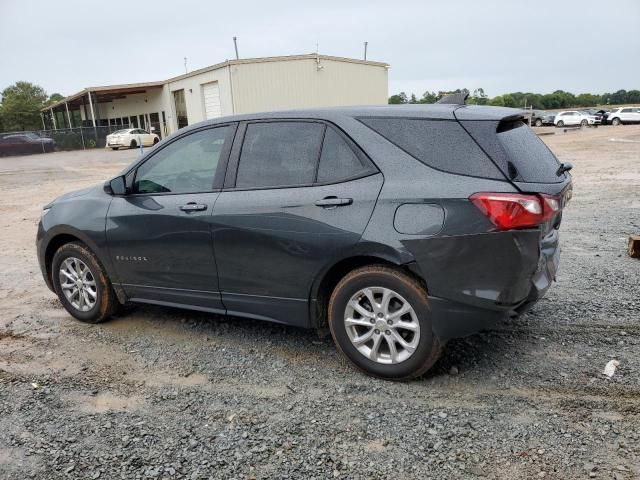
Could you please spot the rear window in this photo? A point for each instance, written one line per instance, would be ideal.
(441, 144)
(337, 161)
(532, 159)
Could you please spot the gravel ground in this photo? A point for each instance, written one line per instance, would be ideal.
(160, 393)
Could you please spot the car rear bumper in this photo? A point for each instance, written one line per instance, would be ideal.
(476, 280)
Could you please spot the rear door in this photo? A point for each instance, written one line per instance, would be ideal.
(297, 194)
(159, 235)
(625, 114)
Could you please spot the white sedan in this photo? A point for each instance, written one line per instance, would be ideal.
(131, 137)
(573, 117)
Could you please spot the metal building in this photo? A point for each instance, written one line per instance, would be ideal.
(233, 86)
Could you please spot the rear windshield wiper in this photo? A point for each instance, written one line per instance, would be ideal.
(564, 167)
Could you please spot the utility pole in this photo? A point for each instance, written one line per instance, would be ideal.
(235, 45)
(365, 49)
(185, 65)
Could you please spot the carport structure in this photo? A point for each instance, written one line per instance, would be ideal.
(138, 105)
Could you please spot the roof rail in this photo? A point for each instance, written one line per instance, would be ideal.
(454, 98)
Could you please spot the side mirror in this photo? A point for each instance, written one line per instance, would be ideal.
(116, 186)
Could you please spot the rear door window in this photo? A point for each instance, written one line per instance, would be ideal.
(441, 144)
(279, 154)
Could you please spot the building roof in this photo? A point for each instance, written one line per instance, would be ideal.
(107, 92)
(117, 91)
(284, 58)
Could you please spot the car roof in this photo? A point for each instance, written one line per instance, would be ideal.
(431, 111)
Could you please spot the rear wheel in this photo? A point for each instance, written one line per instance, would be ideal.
(133, 144)
(380, 320)
(616, 121)
(560, 123)
(155, 140)
(82, 284)
(538, 123)
(114, 148)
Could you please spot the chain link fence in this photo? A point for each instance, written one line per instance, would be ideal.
(62, 139)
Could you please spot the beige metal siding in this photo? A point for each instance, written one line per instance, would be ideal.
(193, 94)
(305, 83)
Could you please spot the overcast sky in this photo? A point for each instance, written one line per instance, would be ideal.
(502, 46)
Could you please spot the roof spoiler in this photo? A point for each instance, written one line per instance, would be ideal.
(454, 98)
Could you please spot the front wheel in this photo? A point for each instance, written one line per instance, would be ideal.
(561, 123)
(82, 284)
(114, 148)
(584, 123)
(616, 121)
(538, 123)
(380, 320)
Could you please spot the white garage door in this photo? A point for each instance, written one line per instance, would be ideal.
(211, 94)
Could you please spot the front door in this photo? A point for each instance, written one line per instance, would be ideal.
(159, 235)
(300, 194)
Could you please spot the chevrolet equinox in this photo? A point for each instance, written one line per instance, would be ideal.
(396, 228)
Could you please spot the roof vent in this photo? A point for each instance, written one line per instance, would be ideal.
(454, 98)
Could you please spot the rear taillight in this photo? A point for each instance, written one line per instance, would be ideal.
(509, 211)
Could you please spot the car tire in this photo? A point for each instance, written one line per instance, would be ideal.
(93, 299)
(538, 123)
(616, 121)
(416, 349)
(114, 148)
(155, 140)
(133, 144)
(584, 123)
(560, 123)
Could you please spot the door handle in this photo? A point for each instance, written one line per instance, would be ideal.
(192, 207)
(332, 202)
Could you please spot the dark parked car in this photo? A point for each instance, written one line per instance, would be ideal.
(396, 228)
(598, 115)
(21, 143)
(541, 117)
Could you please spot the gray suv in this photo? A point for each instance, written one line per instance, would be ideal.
(397, 228)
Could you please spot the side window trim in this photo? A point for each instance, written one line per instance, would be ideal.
(369, 167)
(219, 176)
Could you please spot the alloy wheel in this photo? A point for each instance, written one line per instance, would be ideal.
(382, 325)
(78, 284)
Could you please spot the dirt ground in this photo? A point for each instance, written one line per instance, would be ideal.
(160, 393)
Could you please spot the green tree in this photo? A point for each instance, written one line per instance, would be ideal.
(398, 98)
(429, 97)
(55, 97)
(497, 101)
(587, 100)
(21, 104)
(413, 98)
(509, 101)
(633, 96)
(478, 97)
(618, 97)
